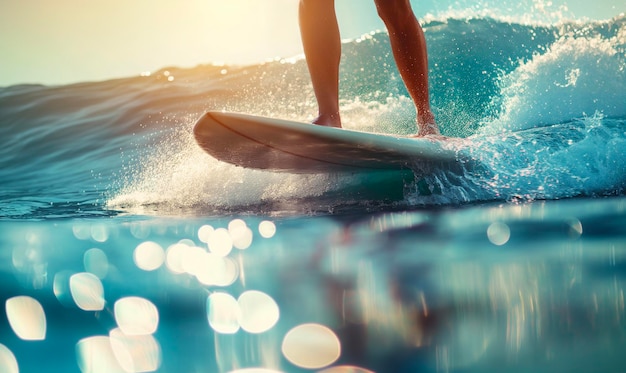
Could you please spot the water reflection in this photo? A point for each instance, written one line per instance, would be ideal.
(524, 288)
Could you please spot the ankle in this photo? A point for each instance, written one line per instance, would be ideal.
(426, 124)
(426, 117)
(330, 120)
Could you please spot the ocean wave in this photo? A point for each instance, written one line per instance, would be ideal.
(507, 88)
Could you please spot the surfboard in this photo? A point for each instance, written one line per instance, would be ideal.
(280, 145)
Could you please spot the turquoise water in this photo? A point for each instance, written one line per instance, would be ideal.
(126, 248)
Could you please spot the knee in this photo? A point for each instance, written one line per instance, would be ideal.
(393, 11)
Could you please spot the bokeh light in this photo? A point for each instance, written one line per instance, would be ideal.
(81, 231)
(135, 353)
(140, 230)
(345, 369)
(267, 229)
(498, 233)
(87, 291)
(240, 234)
(27, 318)
(223, 313)
(95, 355)
(61, 288)
(99, 233)
(96, 262)
(136, 316)
(220, 242)
(205, 232)
(575, 228)
(8, 363)
(311, 346)
(259, 312)
(214, 270)
(192, 257)
(149, 256)
(174, 258)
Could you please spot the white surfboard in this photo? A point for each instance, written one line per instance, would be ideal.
(287, 146)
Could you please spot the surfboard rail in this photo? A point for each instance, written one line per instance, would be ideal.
(281, 145)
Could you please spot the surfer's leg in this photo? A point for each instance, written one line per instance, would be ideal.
(322, 47)
(409, 50)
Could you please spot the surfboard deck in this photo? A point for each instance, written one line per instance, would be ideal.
(280, 145)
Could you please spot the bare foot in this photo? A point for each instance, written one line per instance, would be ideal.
(332, 120)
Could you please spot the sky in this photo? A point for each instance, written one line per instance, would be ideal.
(66, 41)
